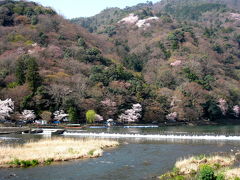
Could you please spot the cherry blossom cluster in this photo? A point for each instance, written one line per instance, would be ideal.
(28, 115)
(108, 102)
(172, 116)
(223, 106)
(98, 118)
(131, 115)
(236, 110)
(176, 63)
(59, 115)
(134, 19)
(6, 108)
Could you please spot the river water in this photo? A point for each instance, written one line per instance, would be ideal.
(137, 158)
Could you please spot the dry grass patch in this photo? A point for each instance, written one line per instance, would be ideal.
(232, 174)
(215, 167)
(57, 149)
(192, 164)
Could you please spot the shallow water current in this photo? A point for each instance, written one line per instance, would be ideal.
(135, 158)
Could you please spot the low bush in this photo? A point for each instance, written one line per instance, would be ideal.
(206, 173)
(24, 163)
(91, 152)
(12, 85)
(48, 161)
(220, 177)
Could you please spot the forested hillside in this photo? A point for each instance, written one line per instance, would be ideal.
(46, 62)
(178, 65)
(107, 17)
(187, 53)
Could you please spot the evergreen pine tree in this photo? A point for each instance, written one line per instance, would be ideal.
(20, 71)
(72, 112)
(32, 76)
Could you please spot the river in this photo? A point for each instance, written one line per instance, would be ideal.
(136, 158)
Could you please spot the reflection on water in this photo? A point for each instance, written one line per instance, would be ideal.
(134, 159)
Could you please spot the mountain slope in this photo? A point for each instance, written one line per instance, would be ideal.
(179, 67)
(65, 54)
(108, 16)
(187, 52)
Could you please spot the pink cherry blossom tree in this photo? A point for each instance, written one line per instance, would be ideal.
(98, 118)
(28, 115)
(60, 115)
(176, 63)
(6, 108)
(131, 115)
(172, 116)
(223, 106)
(236, 110)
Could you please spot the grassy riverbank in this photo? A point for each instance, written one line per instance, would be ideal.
(202, 167)
(51, 150)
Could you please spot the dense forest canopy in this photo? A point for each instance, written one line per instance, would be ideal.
(178, 59)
